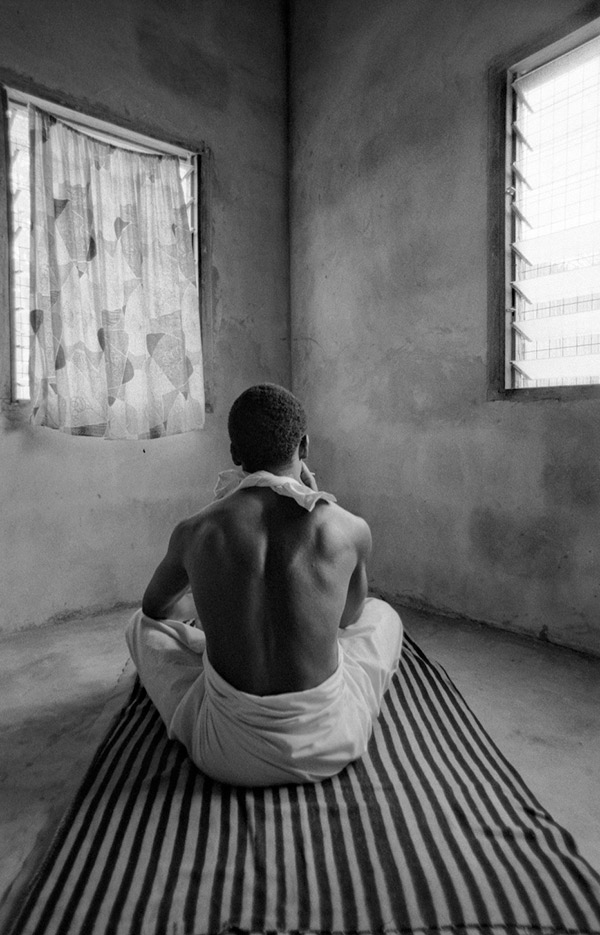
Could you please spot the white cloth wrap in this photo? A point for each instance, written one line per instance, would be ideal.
(259, 740)
(237, 479)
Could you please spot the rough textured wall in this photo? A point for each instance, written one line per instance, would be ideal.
(84, 521)
(488, 509)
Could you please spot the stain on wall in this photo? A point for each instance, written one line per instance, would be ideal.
(571, 475)
(479, 508)
(173, 59)
(528, 547)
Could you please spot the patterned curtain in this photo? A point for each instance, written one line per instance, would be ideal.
(116, 348)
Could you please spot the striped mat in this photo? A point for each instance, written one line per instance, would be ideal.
(432, 830)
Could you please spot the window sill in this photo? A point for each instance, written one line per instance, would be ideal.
(16, 414)
(558, 393)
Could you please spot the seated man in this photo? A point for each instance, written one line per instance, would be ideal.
(285, 678)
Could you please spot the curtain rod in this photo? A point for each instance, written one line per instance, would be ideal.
(73, 117)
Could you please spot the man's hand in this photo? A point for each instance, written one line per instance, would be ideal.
(307, 478)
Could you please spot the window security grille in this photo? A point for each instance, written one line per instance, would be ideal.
(556, 221)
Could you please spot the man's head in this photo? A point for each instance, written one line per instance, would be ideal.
(266, 425)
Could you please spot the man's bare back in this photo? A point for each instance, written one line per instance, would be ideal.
(271, 582)
(286, 681)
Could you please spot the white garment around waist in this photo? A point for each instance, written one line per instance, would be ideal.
(294, 737)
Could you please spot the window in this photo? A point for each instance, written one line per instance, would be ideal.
(105, 326)
(552, 227)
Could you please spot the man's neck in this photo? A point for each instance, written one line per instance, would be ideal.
(292, 469)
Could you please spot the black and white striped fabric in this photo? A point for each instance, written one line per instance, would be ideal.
(432, 830)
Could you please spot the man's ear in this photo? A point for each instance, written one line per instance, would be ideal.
(234, 455)
(303, 448)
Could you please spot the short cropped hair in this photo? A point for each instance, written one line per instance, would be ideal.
(266, 424)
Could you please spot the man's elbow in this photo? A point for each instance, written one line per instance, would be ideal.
(352, 613)
(151, 607)
(159, 608)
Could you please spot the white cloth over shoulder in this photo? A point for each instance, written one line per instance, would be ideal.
(236, 479)
(259, 740)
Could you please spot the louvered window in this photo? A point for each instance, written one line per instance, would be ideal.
(555, 274)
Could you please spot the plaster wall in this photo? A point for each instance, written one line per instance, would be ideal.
(485, 509)
(84, 521)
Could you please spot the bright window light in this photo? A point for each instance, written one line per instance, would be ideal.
(555, 274)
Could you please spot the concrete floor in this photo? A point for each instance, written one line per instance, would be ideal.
(60, 686)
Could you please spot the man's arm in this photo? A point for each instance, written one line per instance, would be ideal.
(170, 580)
(357, 587)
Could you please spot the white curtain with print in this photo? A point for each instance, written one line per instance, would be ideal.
(116, 348)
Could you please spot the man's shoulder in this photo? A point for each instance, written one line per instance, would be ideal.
(326, 515)
(204, 518)
(219, 514)
(339, 514)
(337, 522)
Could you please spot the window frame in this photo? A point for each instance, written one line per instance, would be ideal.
(500, 221)
(17, 411)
